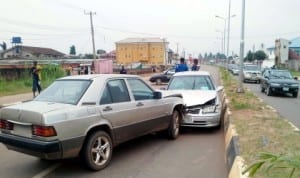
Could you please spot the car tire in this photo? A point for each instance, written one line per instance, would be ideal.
(97, 151)
(269, 91)
(158, 81)
(295, 94)
(173, 130)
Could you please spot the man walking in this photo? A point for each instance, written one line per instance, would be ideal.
(36, 80)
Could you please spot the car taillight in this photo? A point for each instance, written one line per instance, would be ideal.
(4, 124)
(43, 131)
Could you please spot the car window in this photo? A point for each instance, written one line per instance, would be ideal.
(64, 91)
(140, 90)
(115, 92)
(191, 83)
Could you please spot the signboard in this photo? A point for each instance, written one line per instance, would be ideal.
(16, 40)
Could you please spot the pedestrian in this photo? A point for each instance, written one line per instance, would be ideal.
(182, 66)
(36, 78)
(195, 66)
(123, 70)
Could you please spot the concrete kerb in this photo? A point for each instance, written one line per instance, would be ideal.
(234, 161)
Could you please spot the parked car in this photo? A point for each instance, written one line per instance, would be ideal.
(203, 100)
(88, 115)
(279, 81)
(251, 73)
(162, 77)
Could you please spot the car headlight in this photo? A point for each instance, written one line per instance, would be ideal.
(275, 84)
(210, 109)
(295, 85)
(247, 74)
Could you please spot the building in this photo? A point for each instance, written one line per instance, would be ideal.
(29, 52)
(143, 50)
(281, 51)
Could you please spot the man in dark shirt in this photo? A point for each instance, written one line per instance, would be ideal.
(123, 70)
(182, 66)
(36, 83)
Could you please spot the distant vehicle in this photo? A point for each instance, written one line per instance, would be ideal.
(202, 99)
(234, 69)
(279, 81)
(162, 77)
(251, 73)
(88, 115)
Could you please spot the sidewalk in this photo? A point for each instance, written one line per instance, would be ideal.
(6, 100)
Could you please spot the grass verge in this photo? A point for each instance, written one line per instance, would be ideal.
(260, 128)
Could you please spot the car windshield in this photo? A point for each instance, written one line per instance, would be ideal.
(64, 91)
(251, 68)
(280, 74)
(202, 82)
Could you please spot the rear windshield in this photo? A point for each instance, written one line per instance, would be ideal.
(64, 91)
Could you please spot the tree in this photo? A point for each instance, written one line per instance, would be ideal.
(88, 56)
(72, 50)
(200, 56)
(260, 55)
(101, 51)
(249, 57)
(3, 45)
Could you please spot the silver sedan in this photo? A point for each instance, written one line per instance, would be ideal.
(88, 115)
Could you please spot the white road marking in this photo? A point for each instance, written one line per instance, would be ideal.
(47, 171)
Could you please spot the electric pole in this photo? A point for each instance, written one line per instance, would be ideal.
(92, 30)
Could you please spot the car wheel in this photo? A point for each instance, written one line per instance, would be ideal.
(173, 130)
(269, 92)
(295, 95)
(97, 151)
(158, 81)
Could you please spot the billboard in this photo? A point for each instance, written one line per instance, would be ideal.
(16, 40)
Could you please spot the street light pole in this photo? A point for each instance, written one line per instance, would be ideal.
(224, 31)
(228, 32)
(242, 43)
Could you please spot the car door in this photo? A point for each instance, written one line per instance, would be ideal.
(116, 106)
(153, 113)
(265, 79)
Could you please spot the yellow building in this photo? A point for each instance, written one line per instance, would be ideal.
(145, 50)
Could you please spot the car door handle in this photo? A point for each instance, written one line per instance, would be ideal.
(107, 108)
(140, 104)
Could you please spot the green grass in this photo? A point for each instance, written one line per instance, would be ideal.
(24, 83)
(260, 129)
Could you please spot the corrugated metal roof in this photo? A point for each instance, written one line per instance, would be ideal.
(142, 40)
(295, 43)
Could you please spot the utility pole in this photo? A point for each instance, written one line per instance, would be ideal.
(92, 30)
(242, 43)
(228, 30)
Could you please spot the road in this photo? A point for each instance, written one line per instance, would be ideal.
(286, 105)
(196, 153)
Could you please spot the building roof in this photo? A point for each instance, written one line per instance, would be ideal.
(142, 40)
(38, 50)
(295, 43)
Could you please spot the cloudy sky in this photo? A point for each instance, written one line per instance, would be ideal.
(190, 24)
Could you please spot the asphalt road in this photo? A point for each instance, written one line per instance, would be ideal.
(196, 153)
(285, 105)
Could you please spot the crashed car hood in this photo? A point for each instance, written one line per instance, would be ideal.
(193, 97)
(32, 111)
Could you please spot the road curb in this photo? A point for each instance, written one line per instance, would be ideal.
(234, 162)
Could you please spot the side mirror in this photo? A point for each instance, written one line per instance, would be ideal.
(296, 78)
(220, 88)
(157, 95)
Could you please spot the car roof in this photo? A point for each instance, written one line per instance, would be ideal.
(191, 73)
(94, 76)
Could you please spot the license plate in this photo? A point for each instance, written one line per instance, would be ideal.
(285, 89)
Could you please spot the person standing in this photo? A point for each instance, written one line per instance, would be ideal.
(195, 66)
(182, 66)
(36, 80)
(123, 70)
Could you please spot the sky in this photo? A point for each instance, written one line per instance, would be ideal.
(189, 25)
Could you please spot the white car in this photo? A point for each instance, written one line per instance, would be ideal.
(202, 99)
